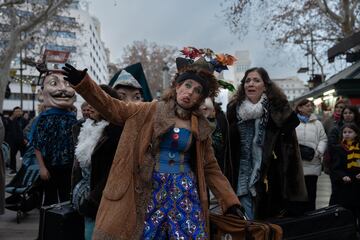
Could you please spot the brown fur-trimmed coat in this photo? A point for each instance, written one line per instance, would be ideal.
(122, 209)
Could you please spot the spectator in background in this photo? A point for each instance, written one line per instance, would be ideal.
(14, 136)
(220, 135)
(312, 141)
(85, 111)
(330, 121)
(350, 114)
(345, 170)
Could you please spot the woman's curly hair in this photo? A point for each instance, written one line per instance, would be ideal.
(211, 83)
(275, 95)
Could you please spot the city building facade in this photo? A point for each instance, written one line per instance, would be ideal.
(84, 44)
(293, 87)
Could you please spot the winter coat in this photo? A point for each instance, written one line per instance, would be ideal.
(101, 160)
(346, 194)
(312, 134)
(127, 192)
(281, 174)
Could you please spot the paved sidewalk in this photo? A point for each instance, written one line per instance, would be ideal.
(27, 229)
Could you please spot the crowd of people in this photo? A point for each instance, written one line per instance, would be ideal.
(136, 169)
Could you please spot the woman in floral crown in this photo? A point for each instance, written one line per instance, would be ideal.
(157, 186)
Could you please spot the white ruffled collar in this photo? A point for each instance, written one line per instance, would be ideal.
(89, 135)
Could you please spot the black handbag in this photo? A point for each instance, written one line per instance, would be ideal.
(307, 153)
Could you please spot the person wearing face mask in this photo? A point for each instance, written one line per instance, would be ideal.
(312, 140)
(263, 147)
(157, 185)
(51, 136)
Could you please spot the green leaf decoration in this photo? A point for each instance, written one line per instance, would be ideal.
(226, 85)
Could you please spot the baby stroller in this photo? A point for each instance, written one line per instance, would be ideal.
(25, 187)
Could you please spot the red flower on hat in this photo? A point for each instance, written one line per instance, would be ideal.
(191, 52)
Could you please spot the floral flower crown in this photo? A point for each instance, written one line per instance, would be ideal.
(207, 58)
(219, 61)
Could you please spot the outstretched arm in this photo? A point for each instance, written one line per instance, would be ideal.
(111, 109)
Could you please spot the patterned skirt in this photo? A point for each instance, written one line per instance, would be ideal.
(174, 211)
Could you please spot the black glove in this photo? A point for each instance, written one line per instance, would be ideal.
(236, 210)
(72, 75)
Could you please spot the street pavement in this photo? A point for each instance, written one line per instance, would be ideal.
(27, 229)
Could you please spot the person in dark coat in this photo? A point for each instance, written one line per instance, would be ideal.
(95, 149)
(349, 114)
(96, 146)
(346, 169)
(220, 136)
(2, 170)
(14, 135)
(267, 167)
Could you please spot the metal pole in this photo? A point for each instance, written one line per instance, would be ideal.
(21, 81)
(33, 103)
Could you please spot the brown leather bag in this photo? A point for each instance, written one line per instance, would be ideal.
(230, 227)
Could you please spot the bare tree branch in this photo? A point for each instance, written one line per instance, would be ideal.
(11, 3)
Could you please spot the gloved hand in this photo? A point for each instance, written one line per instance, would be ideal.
(236, 210)
(72, 75)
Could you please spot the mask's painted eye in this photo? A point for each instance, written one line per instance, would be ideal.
(188, 85)
(52, 83)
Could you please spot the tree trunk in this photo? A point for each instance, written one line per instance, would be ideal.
(4, 78)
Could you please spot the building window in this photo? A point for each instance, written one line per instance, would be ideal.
(56, 47)
(65, 19)
(63, 34)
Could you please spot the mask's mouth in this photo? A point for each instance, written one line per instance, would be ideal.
(62, 95)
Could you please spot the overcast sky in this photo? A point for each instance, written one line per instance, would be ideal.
(179, 23)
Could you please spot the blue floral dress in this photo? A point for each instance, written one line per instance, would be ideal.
(174, 211)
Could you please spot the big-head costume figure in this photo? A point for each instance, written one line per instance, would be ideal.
(51, 136)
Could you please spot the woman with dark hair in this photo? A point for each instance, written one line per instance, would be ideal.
(267, 167)
(349, 114)
(312, 140)
(157, 186)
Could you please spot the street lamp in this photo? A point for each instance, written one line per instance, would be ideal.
(33, 90)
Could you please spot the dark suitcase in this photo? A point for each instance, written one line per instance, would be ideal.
(329, 223)
(60, 222)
